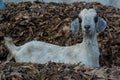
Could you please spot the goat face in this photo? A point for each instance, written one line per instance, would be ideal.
(89, 22)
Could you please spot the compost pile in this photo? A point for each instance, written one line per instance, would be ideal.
(50, 22)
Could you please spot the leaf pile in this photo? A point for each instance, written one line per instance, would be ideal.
(56, 71)
(49, 22)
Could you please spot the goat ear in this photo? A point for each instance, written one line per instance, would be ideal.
(2, 5)
(101, 24)
(75, 26)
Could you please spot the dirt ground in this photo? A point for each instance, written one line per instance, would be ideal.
(49, 22)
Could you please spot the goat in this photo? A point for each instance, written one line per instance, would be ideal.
(86, 53)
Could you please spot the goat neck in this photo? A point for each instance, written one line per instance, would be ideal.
(90, 39)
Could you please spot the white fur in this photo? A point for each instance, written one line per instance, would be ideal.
(86, 52)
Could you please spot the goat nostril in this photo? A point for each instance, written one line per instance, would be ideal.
(87, 27)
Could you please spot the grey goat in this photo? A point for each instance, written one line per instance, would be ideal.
(86, 53)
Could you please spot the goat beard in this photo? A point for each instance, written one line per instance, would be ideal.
(88, 33)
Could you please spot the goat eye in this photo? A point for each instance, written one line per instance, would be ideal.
(80, 20)
(96, 19)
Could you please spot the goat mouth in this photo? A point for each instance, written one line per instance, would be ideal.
(87, 31)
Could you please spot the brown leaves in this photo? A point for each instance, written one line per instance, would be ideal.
(51, 23)
(53, 71)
